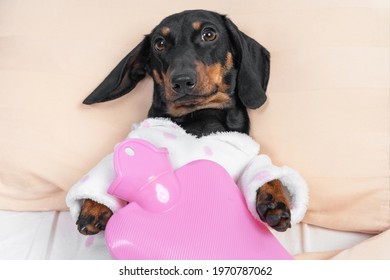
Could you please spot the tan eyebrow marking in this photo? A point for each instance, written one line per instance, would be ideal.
(165, 31)
(196, 25)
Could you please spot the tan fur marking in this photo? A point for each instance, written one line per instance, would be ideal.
(229, 61)
(157, 77)
(165, 30)
(277, 190)
(97, 213)
(196, 25)
(211, 76)
(93, 208)
(169, 94)
(208, 77)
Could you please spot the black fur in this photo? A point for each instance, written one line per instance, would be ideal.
(184, 47)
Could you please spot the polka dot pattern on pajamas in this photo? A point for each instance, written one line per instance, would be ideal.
(168, 135)
(207, 151)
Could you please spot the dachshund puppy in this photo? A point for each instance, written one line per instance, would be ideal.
(206, 74)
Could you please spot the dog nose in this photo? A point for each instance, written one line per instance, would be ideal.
(183, 83)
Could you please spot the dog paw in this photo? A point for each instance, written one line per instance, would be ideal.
(273, 205)
(93, 217)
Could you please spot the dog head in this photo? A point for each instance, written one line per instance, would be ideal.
(198, 60)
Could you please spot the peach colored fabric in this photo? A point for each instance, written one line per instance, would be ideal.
(327, 114)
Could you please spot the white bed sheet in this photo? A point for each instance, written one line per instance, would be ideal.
(53, 235)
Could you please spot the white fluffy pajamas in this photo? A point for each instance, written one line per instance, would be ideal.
(238, 153)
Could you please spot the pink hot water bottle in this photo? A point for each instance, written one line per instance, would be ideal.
(194, 212)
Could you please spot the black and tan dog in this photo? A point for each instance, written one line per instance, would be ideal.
(206, 74)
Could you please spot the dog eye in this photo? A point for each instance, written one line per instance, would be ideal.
(209, 35)
(160, 44)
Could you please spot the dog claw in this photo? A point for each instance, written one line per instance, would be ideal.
(99, 226)
(286, 215)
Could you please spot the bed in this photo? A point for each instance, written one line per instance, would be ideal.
(327, 115)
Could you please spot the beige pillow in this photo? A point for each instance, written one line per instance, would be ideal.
(327, 114)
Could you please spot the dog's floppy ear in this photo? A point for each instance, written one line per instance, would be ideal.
(253, 67)
(125, 76)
